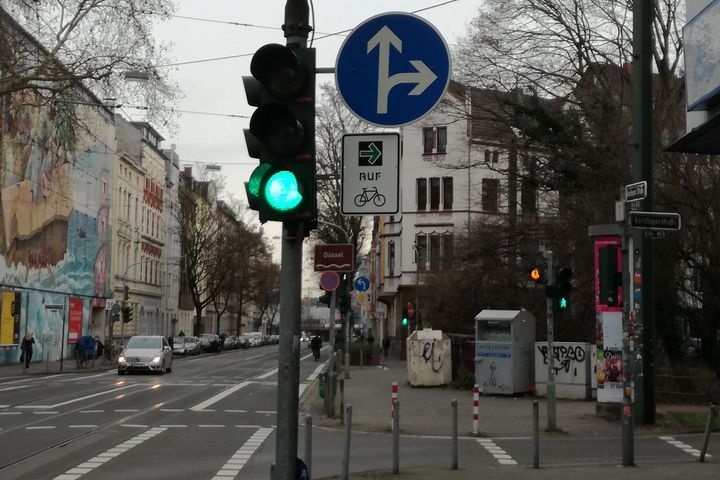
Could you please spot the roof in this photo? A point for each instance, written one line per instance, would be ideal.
(488, 314)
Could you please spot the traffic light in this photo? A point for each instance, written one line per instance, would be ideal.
(282, 133)
(127, 314)
(560, 291)
(404, 321)
(325, 298)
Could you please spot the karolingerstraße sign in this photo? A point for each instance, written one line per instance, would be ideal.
(655, 220)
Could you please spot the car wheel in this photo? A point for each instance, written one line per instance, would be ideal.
(169, 369)
(162, 369)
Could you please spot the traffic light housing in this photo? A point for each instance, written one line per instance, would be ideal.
(282, 133)
(127, 314)
(560, 290)
(404, 320)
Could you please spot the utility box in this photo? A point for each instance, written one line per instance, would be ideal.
(429, 361)
(504, 341)
(571, 366)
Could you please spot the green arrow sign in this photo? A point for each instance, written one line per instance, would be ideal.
(370, 154)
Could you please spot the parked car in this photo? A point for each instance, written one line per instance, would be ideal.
(243, 341)
(192, 345)
(210, 342)
(146, 353)
(230, 342)
(178, 346)
(255, 339)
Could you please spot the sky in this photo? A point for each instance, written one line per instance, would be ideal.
(216, 86)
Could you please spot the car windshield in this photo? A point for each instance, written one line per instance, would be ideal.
(144, 342)
(179, 340)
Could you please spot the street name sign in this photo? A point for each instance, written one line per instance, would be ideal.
(337, 257)
(636, 191)
(370, 174)
(655, 220)
(393, 69)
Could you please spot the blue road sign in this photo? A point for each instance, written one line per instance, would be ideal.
(393, 69)
(362, 284)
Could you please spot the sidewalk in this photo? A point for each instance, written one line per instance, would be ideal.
(69, 365)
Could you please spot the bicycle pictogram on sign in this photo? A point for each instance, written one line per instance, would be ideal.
(370, 194)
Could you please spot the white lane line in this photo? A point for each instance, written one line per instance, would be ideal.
(12, 388)
(83, 378)
(171, 409)
(266, 412)
(218, 397)
(133, 425)
(233, 466)
(106, 456)
(11, 413)
(91, 411)
(211, 426)
(315, 374)
(46, 412)
(500, 455)
(79, 399)
(126, 410)
(83, 426)
(4, 406)
(174, 426)
(41, 427)
(267, 374)
(236, 411)
(301, 388)
(683, 446)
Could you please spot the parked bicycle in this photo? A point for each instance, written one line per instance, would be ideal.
(370, 194)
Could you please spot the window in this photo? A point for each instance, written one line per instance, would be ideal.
(391, 258)
(434, 252)
(448, 243)
(495, 156)
(490, 194)
(420, 250)
(428, 139)
(487, 156)
(528, 197)
(421, 193)
(434, 140)
(447, 193)
(435, 193)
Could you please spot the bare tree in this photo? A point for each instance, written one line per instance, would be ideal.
(266, 295)
(50, 47)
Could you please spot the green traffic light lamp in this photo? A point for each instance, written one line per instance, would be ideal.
(282, 191)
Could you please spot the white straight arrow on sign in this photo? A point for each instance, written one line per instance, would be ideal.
(423, 77)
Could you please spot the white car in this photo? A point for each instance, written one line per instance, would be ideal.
(146, 353)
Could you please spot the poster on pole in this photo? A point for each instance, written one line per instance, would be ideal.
(75, 320)
(10, 318)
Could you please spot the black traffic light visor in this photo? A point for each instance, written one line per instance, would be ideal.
(277, 67)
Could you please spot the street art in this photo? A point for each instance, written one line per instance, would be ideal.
(55, 198)
(428, 354)
(563, 356)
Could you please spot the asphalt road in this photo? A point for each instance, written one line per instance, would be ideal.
(214, 417)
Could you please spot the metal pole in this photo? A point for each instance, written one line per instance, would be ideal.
(708, 427)
(329, 393)
(308, 444)
(628, 454)
(348, 319)
(454, 465)
(536, 434)
(346, 456)
(551, 410)
(289, 352)
(396, 437)
(642, 169)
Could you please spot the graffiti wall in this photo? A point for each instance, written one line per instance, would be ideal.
(429, 358)
(571, 369)
(55, 198)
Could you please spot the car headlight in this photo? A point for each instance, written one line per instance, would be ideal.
(121, 359)
(156, 360)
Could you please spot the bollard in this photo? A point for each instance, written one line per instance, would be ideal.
(454, 465)
(396, 437)
(536, 434)
(348, 426)
(393, 401)
(308, 444)
(476, 410)
(708, 427)
(342, 400)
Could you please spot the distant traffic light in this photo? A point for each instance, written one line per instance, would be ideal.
(404, 321)
(563, 287)
(282, 133)
(127, 314)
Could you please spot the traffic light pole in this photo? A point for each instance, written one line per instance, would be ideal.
(551, 408)
(296, 28)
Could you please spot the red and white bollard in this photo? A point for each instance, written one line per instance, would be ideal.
(393, 399)
(476, 409)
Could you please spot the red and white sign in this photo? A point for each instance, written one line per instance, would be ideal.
(329, 281)
(338, 257)
(75, 320)
(411, 310)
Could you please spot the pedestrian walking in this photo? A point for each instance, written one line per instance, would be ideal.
(26, 347)
(386, 346)
(315, 345)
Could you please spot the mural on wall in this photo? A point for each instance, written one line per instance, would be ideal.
(55, 194)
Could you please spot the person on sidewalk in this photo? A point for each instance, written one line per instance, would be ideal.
(386, 346)
(315, 345)
(26, 347)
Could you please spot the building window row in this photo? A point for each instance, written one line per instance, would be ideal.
(490, 194)
(433, 250)
(434, 140)
(440, 189)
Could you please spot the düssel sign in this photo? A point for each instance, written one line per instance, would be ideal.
(393, 69)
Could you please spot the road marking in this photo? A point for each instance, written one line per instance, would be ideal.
(266, 412)
(83, 426)
(108, 455)
(46, 412)
(11, 413)
(236, 411)
(4, 406)
(41, 427)
(91, 411)
(83, 378)
(218, 397)
(171, 409)
(301, 388)
(211, 426)
(126, 410)
(12, 388)
(315, 374)
(683, 446)
(233, 466)
(500, 455)
(79, 399)
(267, 374)
(174, 426)
(132, 425)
